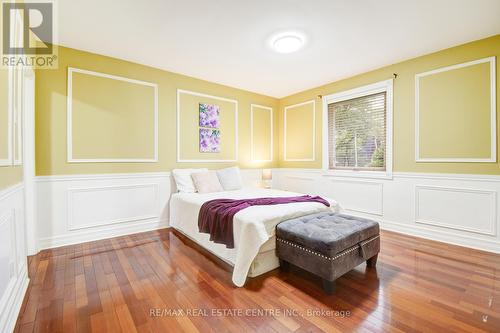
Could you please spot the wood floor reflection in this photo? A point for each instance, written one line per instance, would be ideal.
(161, 282)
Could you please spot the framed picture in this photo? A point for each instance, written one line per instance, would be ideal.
(209, 140)
(209, 115)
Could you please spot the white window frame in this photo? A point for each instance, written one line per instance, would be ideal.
(378, 87)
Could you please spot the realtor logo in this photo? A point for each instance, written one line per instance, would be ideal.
(28, 35)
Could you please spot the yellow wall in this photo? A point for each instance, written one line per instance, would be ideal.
(4, 113)
(189, 125)
(455, 113)
(262, 127)
(9, 175)
(51, 92)
(111, 128)
(300, 128)
(404, 107)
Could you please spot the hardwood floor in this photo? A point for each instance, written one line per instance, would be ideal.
(160, 282)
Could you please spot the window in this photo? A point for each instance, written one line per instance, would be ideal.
(359, 130)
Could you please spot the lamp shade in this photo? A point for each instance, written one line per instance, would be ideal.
(267, 174)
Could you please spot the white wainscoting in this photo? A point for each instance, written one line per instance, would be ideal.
(138, 202)
(457, 209)
(13, 262)
(79, 208)
(430, 200)
(74, 209)
(347, 192)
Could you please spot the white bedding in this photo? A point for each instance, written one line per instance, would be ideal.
(252, 227)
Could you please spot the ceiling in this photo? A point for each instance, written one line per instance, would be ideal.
(224, 41)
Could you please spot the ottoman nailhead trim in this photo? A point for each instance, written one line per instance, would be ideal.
(341, 254)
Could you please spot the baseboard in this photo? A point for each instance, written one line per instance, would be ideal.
(12, 305)
(101, 233)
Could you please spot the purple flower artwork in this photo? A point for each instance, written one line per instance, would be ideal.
(209, 140)
(209, 115)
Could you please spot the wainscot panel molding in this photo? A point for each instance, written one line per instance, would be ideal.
(13, 272)
(429, 201)
(70, 115)
(346, 191)
(179, 106)
(79, 208)
(103, 176)
(82, 201)
(286, 135)
(492, 110)
(393, 202)
(252, 135)
(453, 208)
(74, 209)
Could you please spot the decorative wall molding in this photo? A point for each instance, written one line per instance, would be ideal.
(449, 176)
(80, 208)
(9, 160)
(385, 200)
(92, 234)
(493, 108)
(466, 207)
(13, 272)
(459, 209)
(362, 204)
(313, 157)
(69, 125)
(11, 190)
(95, 191)
(8, 242)
(188, 92)
(301, 170)
(300, 178)
(399, 174)
(104, 176)
(442, 235)
(56, 198)
(12, 301)
(271, 150)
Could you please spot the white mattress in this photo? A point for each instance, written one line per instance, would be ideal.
(253, 227)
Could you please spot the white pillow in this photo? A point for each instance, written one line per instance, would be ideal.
(183, 179)
(230, 178)
(206, 182)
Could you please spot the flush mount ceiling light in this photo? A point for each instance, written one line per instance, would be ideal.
(287, 42)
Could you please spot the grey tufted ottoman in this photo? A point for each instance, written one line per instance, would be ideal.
(327, 244)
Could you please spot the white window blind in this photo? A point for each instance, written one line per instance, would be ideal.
(357, 133)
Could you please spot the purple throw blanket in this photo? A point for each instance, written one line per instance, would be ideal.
(216, 216)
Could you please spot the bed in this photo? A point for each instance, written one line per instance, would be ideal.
(254, 227)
